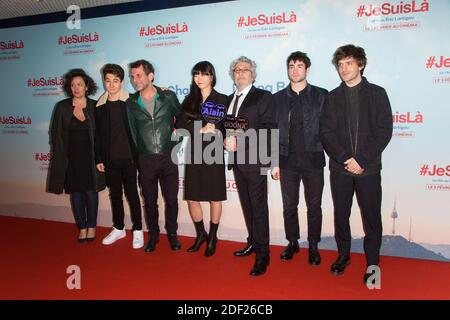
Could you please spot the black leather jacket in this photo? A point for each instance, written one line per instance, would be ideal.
(152, 135)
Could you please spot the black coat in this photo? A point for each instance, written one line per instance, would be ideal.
(187, 121)
(374, 130)
(59, 137)
(103, 134)
(315, 97)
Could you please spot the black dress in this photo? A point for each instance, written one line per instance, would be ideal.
(205, 182)
(79, 152)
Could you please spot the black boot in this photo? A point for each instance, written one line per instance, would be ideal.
(202, 236)
(314, 255)
(290, 250)
(174, 243)
(212, 240)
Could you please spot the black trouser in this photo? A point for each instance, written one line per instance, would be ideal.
(153, 169)
(123, 173)
(252, 191)
(368, 194)
(290, 188)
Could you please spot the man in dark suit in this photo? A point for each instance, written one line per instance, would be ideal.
(257, 107)
(355, 128)
(301, 154)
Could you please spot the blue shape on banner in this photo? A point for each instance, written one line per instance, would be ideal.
(213, 113)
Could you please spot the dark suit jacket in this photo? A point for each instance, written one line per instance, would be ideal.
(258, 108)
(374, 132)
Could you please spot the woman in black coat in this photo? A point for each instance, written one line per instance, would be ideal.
(72, 169)
(204, 181)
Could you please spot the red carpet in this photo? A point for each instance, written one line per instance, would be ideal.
(35, 255)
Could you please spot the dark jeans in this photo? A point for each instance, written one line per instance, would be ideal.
(85, 208)
(121, 176)
(252, 191)
(290, 188)
(153, 169)
(368, 194)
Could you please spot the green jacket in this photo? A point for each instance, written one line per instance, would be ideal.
(152, 135)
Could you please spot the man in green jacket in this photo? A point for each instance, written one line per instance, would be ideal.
(152, 113)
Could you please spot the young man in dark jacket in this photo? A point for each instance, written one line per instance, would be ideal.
(115, 155)
(152, 114)
(298, 107)
(355, 128)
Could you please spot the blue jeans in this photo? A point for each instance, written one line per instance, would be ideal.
(85, 208)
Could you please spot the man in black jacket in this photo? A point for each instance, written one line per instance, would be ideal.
(301, 154)
(115, 155)
(257, 107)
(355, 128)
(152, 113)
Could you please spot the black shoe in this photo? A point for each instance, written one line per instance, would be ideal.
(212, 240)
(366, 277)
(211, 247)
(248, 250)
(338, 267)
(291, 248)
(260, 266)
(314, 256)
(198, 242)
(175, 245)
(151, 244)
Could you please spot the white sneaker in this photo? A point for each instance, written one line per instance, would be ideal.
(113, 236)
(138, 239)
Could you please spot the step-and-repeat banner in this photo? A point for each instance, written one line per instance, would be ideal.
(408, 51)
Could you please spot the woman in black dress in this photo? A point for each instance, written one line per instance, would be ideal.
(72, 143)
(204, 181)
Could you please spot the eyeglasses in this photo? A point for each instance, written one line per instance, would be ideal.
(241, 70)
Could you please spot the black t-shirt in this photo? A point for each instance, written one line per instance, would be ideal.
(119, 144)
(353, 109)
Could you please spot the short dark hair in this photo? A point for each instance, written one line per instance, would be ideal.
(204, 67)
(350, 50)
(298, 56)
(113, 69)
(90, 83)
(147, 66)
(194, 98)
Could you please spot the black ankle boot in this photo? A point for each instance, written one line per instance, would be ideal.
(202, 236)
(212, 241)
